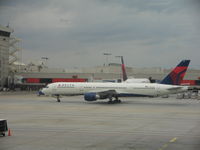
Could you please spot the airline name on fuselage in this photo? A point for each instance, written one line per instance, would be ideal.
(65, 85)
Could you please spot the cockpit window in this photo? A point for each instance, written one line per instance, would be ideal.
(47, 86)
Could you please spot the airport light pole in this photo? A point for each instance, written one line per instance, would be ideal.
(121, 57)
(45, 58)
(107, 54)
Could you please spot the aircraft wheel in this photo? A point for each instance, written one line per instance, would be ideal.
(117, 101)
(58, 99)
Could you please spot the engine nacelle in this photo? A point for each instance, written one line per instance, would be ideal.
(91, 96)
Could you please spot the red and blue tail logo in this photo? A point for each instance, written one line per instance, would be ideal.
(177, 74)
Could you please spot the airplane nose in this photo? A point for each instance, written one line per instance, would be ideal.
(40, 92)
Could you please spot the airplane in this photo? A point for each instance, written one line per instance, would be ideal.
(93, 91)
(130, 80)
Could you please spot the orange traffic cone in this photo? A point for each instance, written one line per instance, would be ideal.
(9, 132)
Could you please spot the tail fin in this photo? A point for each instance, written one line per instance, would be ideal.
(123, 70)
(177, 74)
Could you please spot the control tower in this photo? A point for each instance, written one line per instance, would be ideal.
(4, 54)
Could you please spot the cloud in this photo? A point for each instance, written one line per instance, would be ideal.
(76, 32)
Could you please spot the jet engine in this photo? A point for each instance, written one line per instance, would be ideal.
(91, 96)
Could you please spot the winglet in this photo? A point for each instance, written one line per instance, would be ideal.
(176, 76)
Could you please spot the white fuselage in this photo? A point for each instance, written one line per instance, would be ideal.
(126, 89)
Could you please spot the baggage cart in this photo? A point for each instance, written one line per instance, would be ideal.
(3, 127)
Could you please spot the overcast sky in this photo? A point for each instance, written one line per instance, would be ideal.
(76, 33)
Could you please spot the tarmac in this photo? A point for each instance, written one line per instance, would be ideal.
(41, 123)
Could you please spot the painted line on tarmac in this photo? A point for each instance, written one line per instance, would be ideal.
(164, 146)
(173, 140)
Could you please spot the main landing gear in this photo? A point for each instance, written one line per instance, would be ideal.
(115, 101)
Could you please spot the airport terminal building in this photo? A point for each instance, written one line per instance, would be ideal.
(4, 54)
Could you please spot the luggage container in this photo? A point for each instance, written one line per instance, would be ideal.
(3, 127)
(198, 96)
(187, 95)
(165, 96)
(194, 95)
(179, 96)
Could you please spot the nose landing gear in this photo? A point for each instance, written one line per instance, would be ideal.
(58, 98)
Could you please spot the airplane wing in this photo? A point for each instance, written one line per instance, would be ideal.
(104, 91)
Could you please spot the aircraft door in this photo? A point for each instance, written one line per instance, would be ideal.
(81, 90)
(54, 89)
